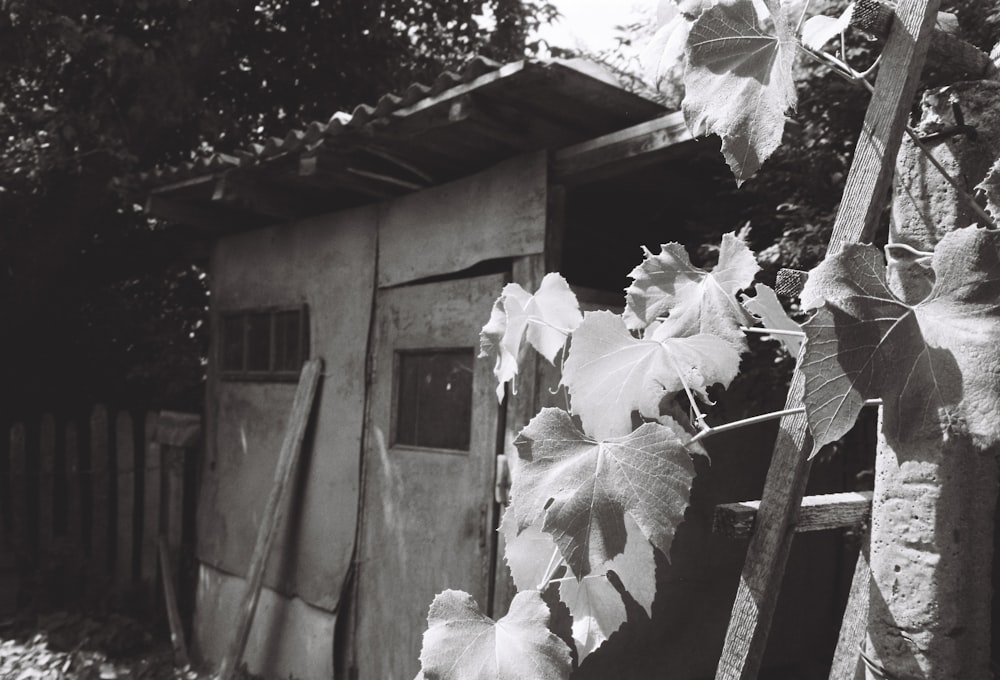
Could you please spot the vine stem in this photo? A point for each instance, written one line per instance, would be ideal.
(844, 69)
(542, 322)
(699, 416)
(772, 331)
(764, 417)
(555, 562)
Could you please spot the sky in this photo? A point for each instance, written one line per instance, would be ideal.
(589, 24)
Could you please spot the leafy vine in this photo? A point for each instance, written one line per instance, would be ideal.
(600, 485)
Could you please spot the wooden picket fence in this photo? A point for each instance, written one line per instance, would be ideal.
(83, 503)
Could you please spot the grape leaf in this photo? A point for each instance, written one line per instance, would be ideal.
(584, 488)
(544, 319)
(934, 364)
(462, 643)
(819, 30)
(528, 553)
(739, 80)
(766, 306)
(609, 373)
(693, 300)
(991, 187)
(597, 610)
(596, 606)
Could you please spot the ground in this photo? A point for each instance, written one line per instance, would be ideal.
(67, 646)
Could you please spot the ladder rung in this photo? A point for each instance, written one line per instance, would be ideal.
(826, 511)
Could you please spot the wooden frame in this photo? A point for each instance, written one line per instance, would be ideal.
(271, 374)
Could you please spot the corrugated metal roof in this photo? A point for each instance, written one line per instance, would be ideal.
(461, 123)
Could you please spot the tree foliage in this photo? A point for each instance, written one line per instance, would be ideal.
(98, 89)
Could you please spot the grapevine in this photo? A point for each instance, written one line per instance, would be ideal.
(600, 486)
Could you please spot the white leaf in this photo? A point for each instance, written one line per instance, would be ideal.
(529, 553)
(766, 306)
(544, 319)
(609, 373)
(819, 30)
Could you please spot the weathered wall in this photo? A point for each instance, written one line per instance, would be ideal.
(327, 263)
(288, 639)
(496, 213)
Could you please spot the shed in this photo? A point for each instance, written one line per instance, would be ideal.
(378, 241)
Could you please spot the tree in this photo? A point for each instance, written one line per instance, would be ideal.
(99, 301)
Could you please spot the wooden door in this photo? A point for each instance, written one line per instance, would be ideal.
(429, 513)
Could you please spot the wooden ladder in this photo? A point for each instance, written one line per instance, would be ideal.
(781, 510)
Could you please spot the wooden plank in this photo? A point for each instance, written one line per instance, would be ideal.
(626, 150)
(872, 169)
(150, 510)
(178, 429)
(817, 513)
(19, 494)
(177, 640)
(864, 199)
(846, 659)
(273, 509)
(46, 483)
(100, 497)
(172, 499)
(74, 501)
(125, 468)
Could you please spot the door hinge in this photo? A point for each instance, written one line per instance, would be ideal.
(501, 487)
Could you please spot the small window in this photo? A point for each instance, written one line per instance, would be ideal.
(264, 344)
(434, 398)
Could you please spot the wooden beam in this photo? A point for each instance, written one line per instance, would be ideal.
(817, 513)
(619, 152)
(211, 218)
(274, 508)
(236, 189)
(853, 629)
(324, 170)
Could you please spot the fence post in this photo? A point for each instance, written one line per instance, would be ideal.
(125, 463)
(19, 496)
(151, 510)
(74, 502)
(46, 486)
(173, 491)
(75, 542)
(100, 497)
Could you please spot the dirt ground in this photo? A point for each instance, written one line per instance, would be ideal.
(67, 646)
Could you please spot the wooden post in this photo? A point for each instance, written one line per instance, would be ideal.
(125, 463)
(177, 640)
(847, 657)
(150, 511)
(74, 509)
(277, 500)
(864, 196)
(18, 494)
(172, 500)
(100, 496)
(46, 485)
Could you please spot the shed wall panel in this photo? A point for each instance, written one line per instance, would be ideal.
(288, 639)
(495, 214)
(327, 263)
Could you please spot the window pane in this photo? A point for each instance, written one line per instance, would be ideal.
(232, 343)
(434, 398)
(287, 342)
(258, 342)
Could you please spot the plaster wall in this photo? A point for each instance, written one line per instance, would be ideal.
(331, 263)
(498, 213)
(288, 638)
(327, 263)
